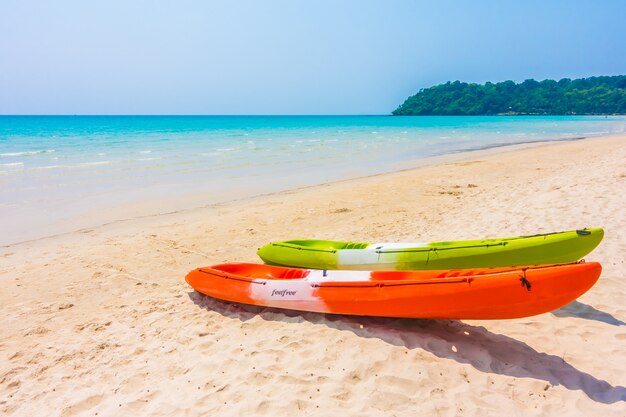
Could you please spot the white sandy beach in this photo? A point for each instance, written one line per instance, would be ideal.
(101, 321)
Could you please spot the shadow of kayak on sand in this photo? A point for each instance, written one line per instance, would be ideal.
(451, 339)
(584, 311)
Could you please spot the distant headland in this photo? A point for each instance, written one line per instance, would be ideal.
(585, 96)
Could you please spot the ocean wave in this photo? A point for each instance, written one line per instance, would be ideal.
(26, 153)
(89, 164)
(12, 164)
(82, 165)
(50, 167)
(79, 165)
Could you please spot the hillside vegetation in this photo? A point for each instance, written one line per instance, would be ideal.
(594, 95)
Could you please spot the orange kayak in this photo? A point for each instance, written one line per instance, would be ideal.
(481, 293)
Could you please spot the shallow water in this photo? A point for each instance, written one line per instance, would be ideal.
(60, 173)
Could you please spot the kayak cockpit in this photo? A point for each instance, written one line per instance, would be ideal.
(259, 271)
(322, 245)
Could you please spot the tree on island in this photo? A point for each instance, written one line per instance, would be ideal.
(594, 95)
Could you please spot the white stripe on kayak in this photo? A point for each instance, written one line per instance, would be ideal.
(369, 255)
(338, 276)
(298, 294)
(357, 256)
(294, 295)
(279, 289)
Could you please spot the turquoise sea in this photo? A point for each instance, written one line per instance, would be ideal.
(62, 173)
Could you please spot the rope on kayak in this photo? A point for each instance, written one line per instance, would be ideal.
(525, 282)
(303, 248)
(232, 277)
(381, 284)
(441, 248)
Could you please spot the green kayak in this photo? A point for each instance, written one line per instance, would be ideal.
(549, 248)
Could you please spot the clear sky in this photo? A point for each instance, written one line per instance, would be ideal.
(288, 56)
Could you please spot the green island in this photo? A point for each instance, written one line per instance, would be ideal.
(585, 96)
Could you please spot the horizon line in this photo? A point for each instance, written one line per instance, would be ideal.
(188, 115)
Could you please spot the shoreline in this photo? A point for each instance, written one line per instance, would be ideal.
(102, 321)
(444, 158)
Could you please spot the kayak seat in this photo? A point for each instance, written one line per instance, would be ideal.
(290, 273)
(355, 245)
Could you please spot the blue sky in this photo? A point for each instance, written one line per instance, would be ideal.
(287, 57)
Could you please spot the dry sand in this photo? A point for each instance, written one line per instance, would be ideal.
(101, 322)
